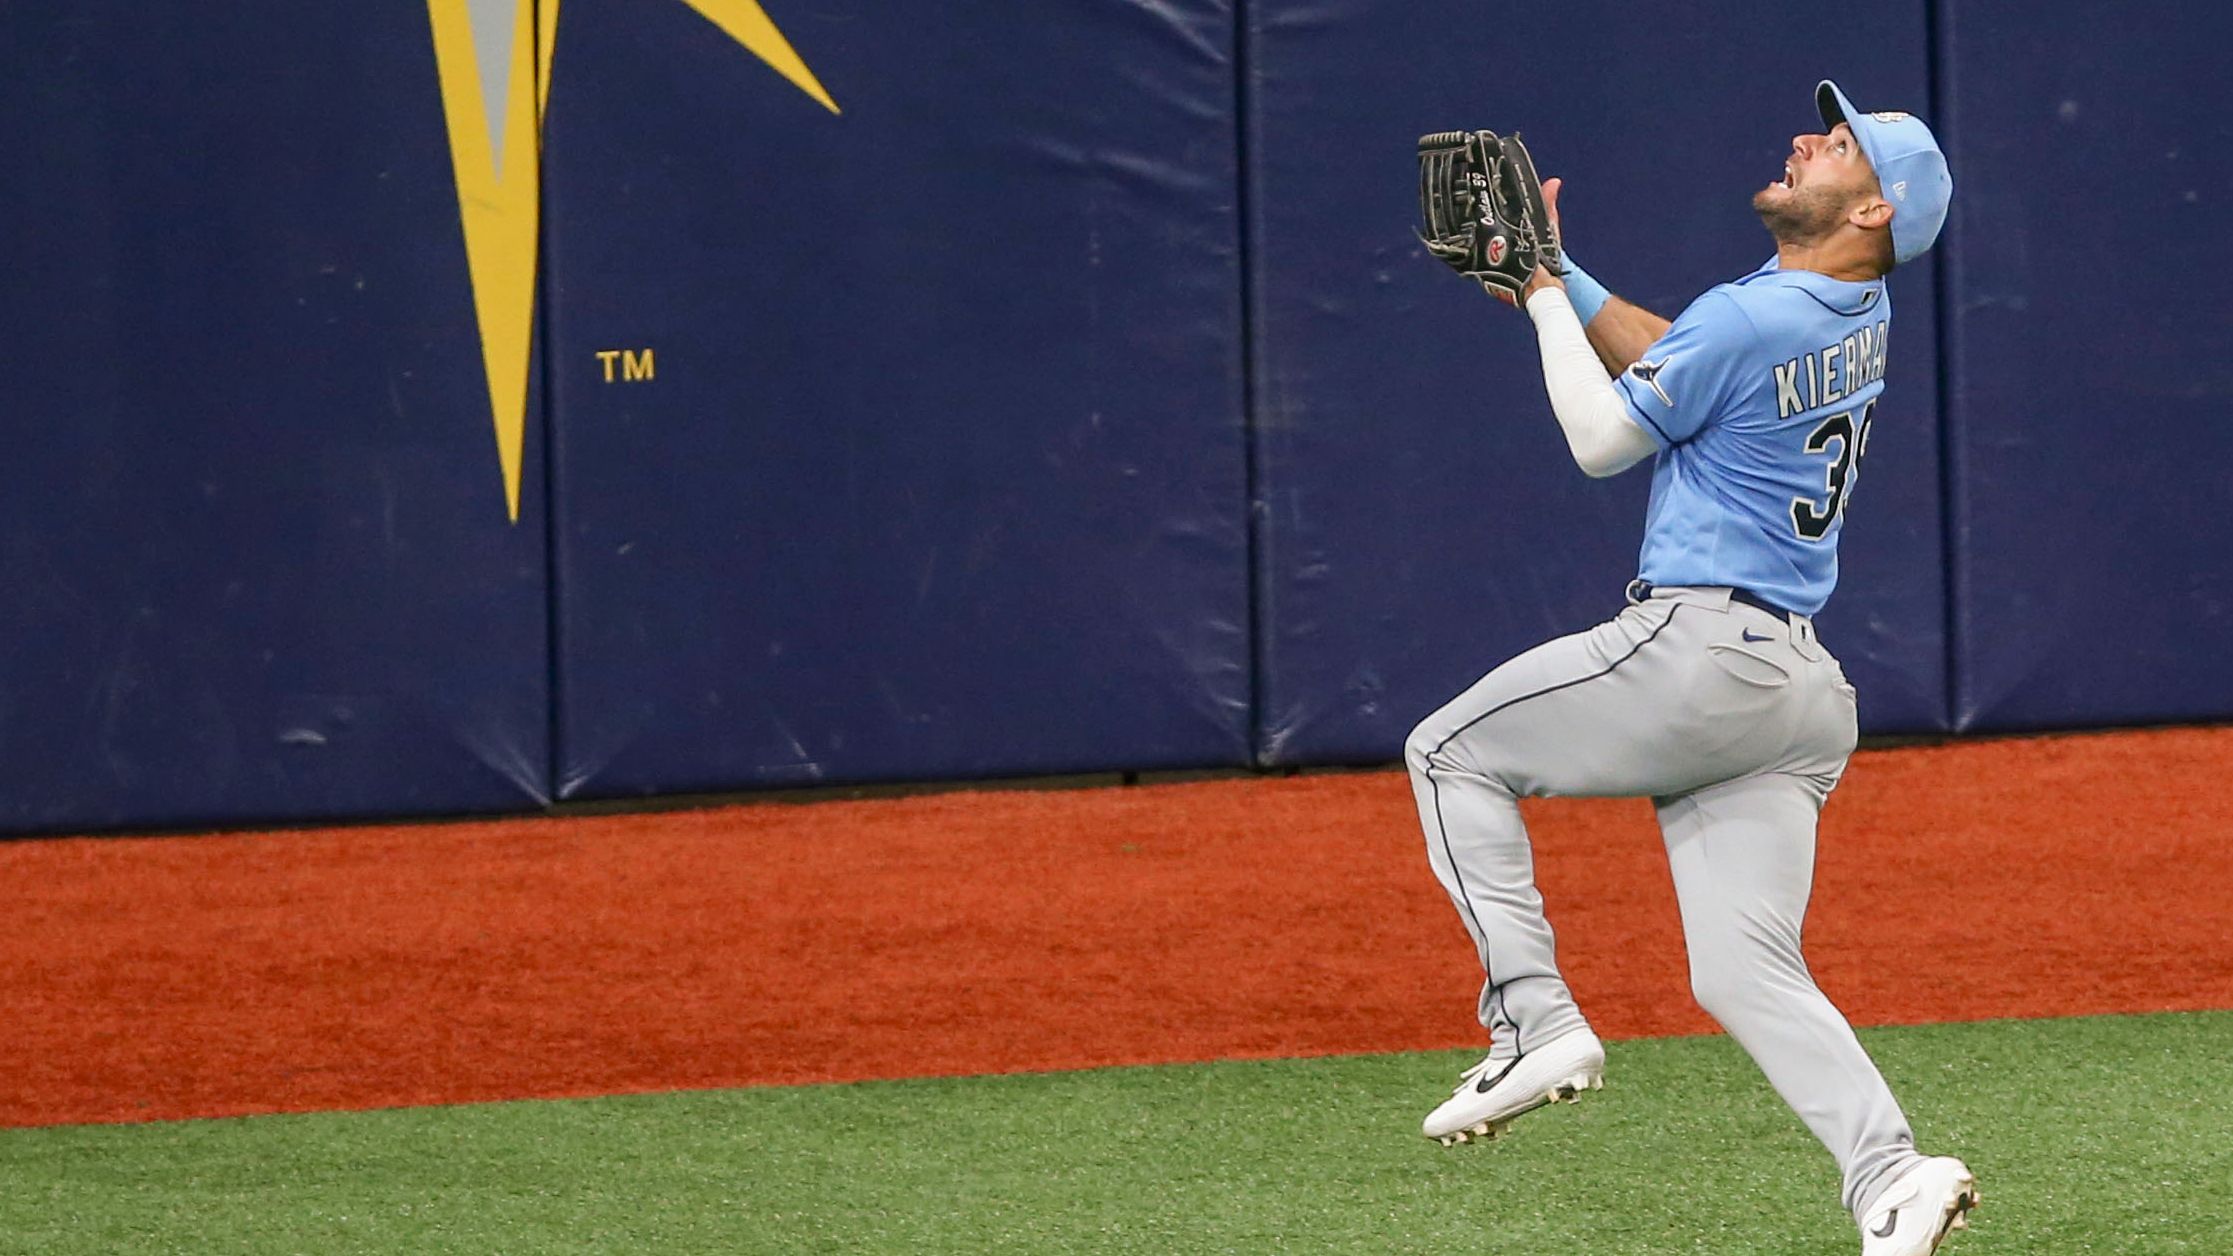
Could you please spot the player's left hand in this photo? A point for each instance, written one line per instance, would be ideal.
(1481, 210)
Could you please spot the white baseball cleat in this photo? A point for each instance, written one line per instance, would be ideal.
(1493, 1092)
(1919, 1209)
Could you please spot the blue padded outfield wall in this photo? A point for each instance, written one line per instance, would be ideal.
(2091, 387)
(463, 405)
(941, 469)
(254, 538)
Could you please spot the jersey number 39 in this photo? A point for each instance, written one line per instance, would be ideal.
(1812, 519)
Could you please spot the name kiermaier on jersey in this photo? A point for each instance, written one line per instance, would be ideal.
(1830, 373)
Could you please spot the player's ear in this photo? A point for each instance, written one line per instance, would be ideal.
(1871, 213)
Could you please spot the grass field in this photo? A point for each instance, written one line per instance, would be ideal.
(2101, 1134)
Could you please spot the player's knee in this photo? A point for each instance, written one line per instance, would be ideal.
(1421, 747)
(1747, 974)
(1722, 989)
(1432, 746)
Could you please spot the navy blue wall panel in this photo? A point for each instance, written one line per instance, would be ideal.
(2091, 397)
(940, 469)
(1414, 537)
(254, 549)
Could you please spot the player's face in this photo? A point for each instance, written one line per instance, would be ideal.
(1824, 178)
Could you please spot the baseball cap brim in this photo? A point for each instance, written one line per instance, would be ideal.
(1908, 164)
(1831, 102)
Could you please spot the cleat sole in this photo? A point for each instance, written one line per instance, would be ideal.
(1957, 1214)
(1568, 1091)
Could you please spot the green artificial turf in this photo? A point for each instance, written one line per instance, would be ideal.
(2109, 1134)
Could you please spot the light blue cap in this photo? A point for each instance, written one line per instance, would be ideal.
(1908, 167)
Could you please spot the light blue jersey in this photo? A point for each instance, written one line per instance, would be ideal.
(1760, 398)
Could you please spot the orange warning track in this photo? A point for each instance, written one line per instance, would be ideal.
(983, 932)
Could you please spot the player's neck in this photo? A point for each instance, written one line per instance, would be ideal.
(1826, 258)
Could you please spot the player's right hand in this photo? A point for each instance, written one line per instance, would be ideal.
(1543, 278)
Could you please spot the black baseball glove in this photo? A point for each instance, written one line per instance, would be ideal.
(1481, 209)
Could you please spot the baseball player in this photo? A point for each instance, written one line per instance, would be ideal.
(1710, 693)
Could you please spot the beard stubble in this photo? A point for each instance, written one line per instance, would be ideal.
(1806, 215)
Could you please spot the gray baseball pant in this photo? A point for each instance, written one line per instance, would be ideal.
(1737, 725)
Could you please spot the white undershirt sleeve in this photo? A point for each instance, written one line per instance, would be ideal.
(1601, 436)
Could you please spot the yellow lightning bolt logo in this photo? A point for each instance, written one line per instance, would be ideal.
(494, 59)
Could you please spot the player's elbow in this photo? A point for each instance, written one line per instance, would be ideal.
(1608, 446)
(1602, 462)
